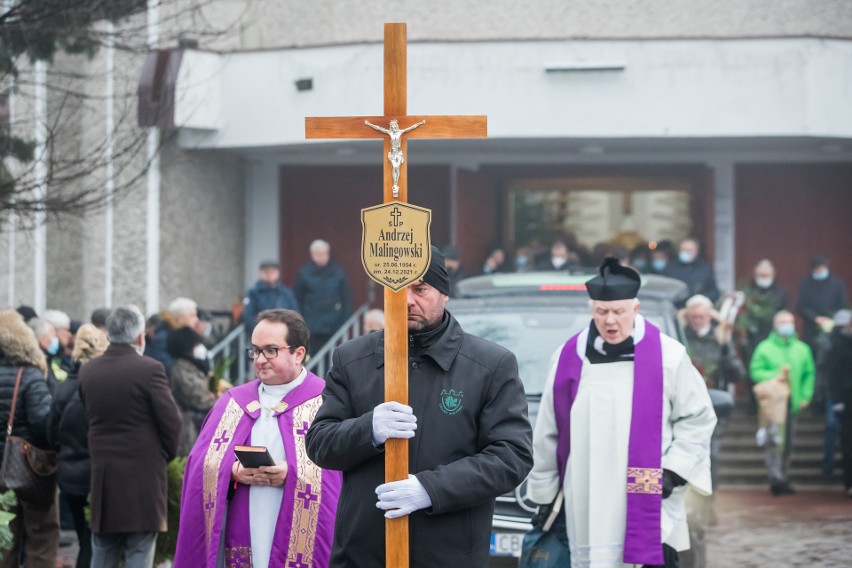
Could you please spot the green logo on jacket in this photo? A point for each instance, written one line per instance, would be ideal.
(451, 402)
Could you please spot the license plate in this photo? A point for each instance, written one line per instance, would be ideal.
(506, 544)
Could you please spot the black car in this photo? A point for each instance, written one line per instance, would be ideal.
(532, 314)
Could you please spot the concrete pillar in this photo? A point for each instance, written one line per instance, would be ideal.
(724, 224)
(262, 216)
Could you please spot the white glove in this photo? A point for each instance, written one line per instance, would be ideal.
(393, 420)
(400, 498)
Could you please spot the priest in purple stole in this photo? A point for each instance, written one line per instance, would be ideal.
(279, 516)
(624, 425)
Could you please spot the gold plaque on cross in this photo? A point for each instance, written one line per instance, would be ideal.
(395, 243)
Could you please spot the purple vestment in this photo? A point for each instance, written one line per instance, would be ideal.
(305, 526)
(644, 475)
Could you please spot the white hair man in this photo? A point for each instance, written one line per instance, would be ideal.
(374, 320)
(51, 346)
(711, 353)
(184, 312)
(134, 426)
(623, 472)
(62, 324)
(322, 291)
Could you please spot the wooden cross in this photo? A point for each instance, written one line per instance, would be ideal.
(396, 320)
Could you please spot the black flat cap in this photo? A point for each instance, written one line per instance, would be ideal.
(615, 282)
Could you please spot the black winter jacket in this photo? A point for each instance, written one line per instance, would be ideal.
(33, 404)
(68, 432)
(819, 298)
(698, 275)
(323, 294)
(473, 443)
(838, 367)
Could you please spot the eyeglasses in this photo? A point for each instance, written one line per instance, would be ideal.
(268, 352)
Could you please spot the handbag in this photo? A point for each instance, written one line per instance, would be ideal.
(29, 471)
(546, 544)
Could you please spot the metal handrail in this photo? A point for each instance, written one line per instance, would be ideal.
(320, 362)
(236, 338)
(235, 343)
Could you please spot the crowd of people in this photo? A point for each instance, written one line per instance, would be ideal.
(325, 436)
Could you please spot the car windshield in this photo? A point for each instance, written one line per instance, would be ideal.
(532, 335)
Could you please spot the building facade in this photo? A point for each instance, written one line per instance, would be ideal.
(729, 121)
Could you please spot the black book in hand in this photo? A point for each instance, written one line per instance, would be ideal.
(253, 456)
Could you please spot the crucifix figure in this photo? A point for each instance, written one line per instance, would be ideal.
(395, 188)
(396, 157)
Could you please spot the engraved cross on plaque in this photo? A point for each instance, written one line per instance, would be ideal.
(396, 214)
(391, 127)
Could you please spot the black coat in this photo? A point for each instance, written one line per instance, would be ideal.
(323, 294)
(262, 297)
(838, 367)
(819, 298)
(32, 408)
(698, 275)
(67, 432)
(464, 455)
(766, 301)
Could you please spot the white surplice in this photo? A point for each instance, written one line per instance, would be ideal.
(596, 473)
(265, 502)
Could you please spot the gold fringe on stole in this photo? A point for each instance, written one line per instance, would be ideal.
(306, 501)
(213, 460)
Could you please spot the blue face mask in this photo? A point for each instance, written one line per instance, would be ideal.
(639, 264)
(659, 264)
(53, 348)
(520, 262)
(787, 330)
(820, 274)
(685, 257)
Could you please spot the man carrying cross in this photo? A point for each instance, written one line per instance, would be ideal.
(470, 438)
(624, 424)
(278, 516)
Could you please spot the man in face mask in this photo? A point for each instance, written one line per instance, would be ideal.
(783, 356)
(838, 371)
(764, 297)
(49, 343)
(821, 294)
(694, 271)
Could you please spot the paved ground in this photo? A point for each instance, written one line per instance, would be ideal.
(755, 530)
(68, 552)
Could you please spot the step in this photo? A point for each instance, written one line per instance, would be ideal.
(809, 458)
(743, 427)
(748, 444)
(757, 470)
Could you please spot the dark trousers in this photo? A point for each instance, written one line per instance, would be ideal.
(137, 550)
(37, 528)
(77, 505)
(670, 559)
(846, 438)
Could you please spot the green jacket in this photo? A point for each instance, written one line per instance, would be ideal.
(775, 351)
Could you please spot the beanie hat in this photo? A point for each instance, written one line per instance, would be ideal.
(437, 276)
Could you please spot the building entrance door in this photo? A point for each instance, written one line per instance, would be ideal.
(602, 212)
